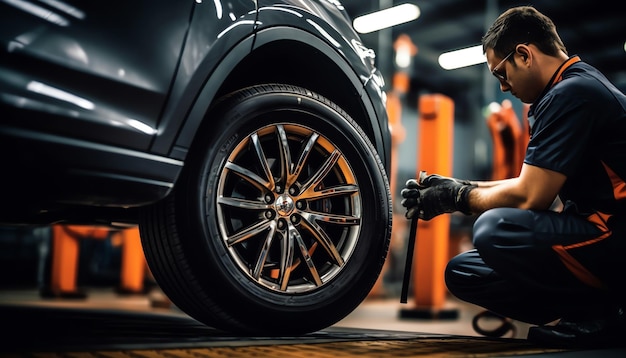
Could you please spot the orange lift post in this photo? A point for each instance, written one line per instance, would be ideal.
(65, 258)
(435, 151)
(134, 267)
(64, 262)
(510, 138)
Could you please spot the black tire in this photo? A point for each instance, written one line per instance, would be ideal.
(258, 238)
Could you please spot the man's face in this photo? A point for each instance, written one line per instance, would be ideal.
(512, 72)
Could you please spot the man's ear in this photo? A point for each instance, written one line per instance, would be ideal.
(523, 51)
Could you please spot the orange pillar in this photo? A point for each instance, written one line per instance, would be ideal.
(65, 249)
(509, 141)
(435, 152)
(523, 144)
(133, 270)
(65, 254)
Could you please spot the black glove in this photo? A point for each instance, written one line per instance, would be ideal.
(433, 195)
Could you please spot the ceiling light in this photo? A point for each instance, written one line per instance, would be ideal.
(386, 18)
(462, 58)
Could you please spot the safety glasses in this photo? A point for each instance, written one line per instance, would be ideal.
(498, 75)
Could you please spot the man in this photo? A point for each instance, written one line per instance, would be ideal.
(530, 263)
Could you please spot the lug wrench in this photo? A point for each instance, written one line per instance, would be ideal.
(409, 260)
(409, 251)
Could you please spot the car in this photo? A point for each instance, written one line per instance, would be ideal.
(248, 140)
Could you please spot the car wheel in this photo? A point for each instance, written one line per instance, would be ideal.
(281, 220)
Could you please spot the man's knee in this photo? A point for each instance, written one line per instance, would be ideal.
(497, 224)
(484, 228)
(464, 271)
(454, 275)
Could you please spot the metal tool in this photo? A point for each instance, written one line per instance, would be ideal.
(410, 249)
(409, 260)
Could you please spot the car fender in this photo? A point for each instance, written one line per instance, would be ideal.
(332, 35)
(365, 80)
(209, 52)
(366, 83)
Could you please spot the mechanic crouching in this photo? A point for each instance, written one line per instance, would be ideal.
(562, 271)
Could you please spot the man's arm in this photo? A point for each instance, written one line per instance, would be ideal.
(535, 188)
(490, 183)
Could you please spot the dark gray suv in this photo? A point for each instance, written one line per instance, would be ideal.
(247, 139)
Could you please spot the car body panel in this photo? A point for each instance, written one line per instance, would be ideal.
(78, 63)
(205, 50)
(101, 102)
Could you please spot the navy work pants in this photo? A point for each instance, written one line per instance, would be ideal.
(515, 271)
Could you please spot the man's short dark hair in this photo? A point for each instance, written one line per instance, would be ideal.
(523, 24)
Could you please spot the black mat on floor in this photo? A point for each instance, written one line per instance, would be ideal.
(39, 329)
(29, 330)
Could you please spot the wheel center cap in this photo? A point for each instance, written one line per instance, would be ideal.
(284, 205)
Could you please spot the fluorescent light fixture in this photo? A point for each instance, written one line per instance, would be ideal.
(386, 18)
(462, 58)
(403, 58)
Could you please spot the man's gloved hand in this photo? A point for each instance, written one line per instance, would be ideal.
(433, 195)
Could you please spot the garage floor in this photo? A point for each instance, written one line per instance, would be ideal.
(109, 325)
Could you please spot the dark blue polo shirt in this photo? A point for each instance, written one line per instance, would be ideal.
(578, 128)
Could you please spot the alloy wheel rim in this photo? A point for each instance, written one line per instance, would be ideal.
(288, 208)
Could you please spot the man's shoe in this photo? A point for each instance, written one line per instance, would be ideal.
(604, 332)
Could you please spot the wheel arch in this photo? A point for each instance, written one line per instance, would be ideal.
(296, 57)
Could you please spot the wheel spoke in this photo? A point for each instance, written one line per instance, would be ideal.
(321, 173)
(286, 259)
(300, 164)
(248, 232)
(332, 218)
(330, 192)
(263, 160)
(249, 176)
(320, 235)
(308, 261)
(263, 253)
(285, 154)
(243, 203)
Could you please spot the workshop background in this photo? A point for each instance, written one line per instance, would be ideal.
(595, 30)
(488, 140)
